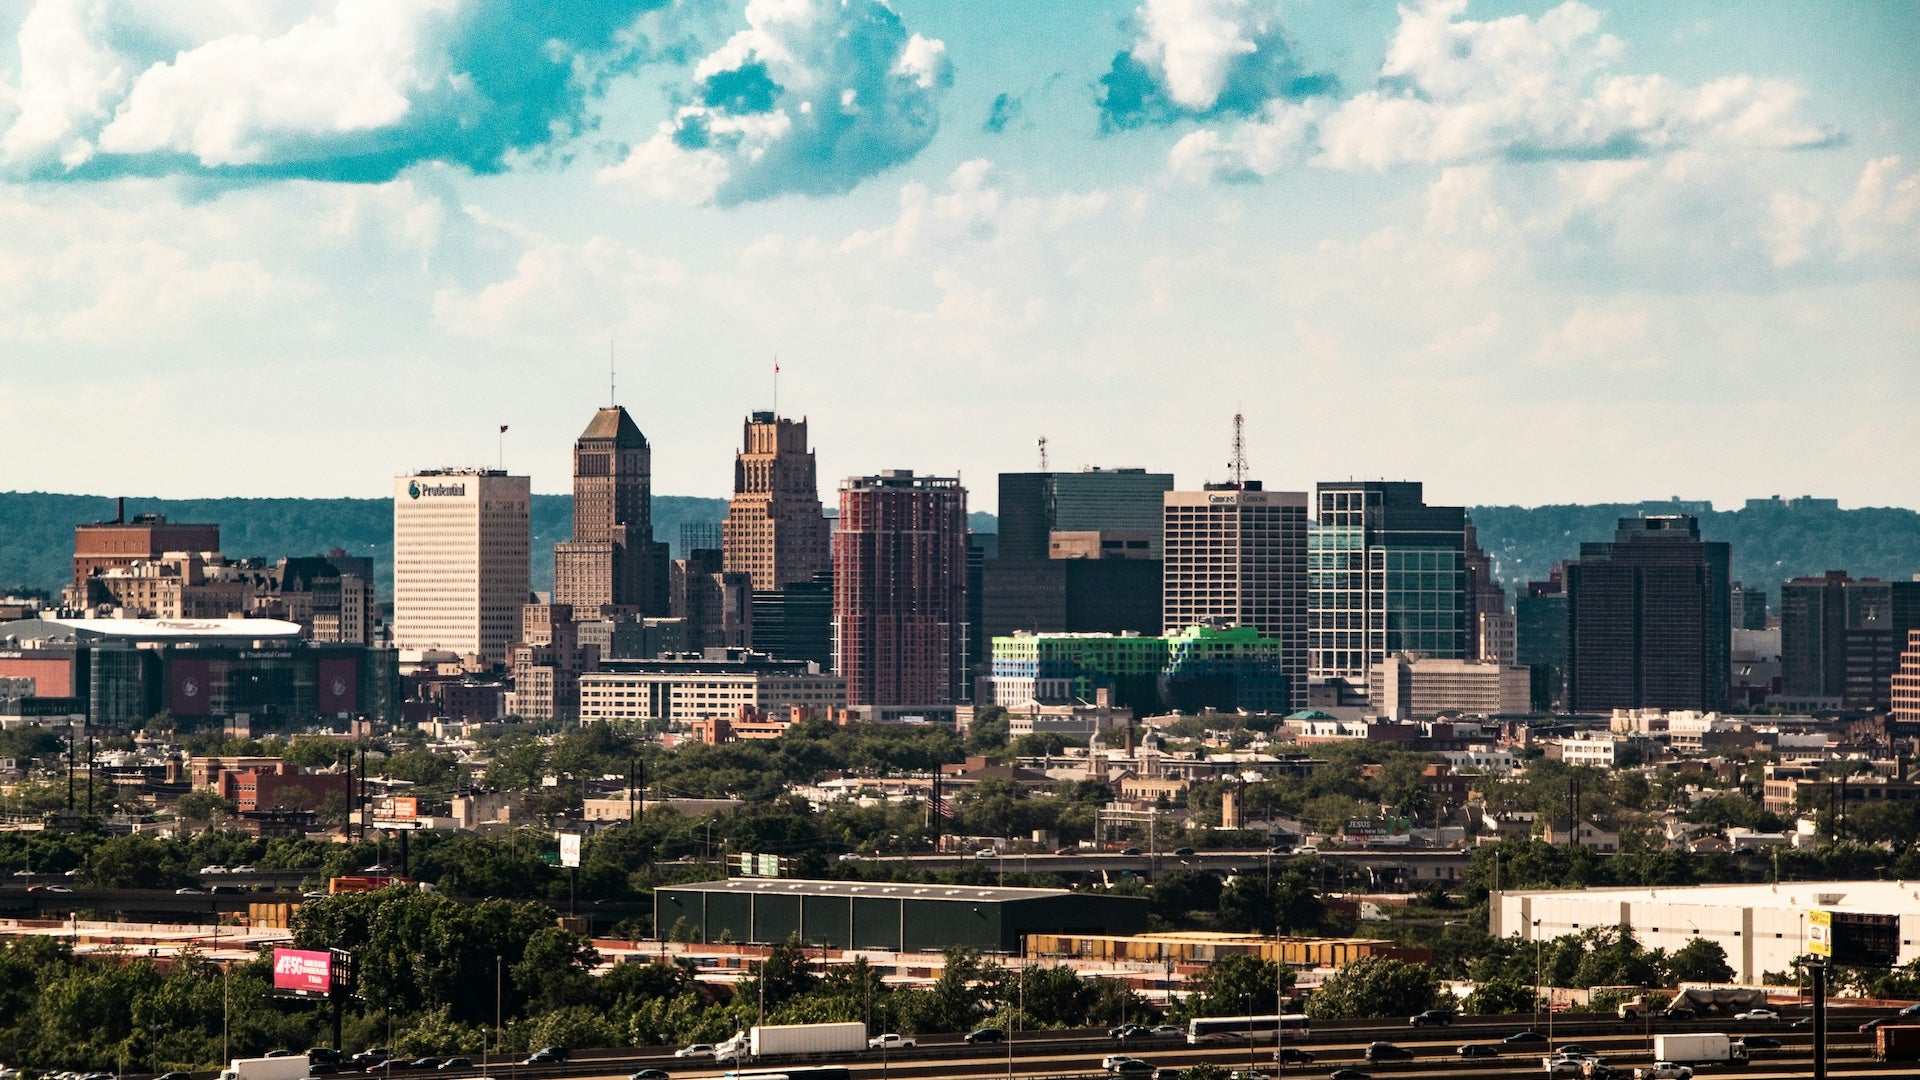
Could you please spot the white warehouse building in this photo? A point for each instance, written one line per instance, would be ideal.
(1762, 927)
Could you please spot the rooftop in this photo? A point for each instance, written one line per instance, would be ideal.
(882, 889)
(1874, 897)
(150, 629)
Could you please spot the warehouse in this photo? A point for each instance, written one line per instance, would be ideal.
(885, 915)
(1762, 927)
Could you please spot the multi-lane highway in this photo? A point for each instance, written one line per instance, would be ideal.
(1078, 1054)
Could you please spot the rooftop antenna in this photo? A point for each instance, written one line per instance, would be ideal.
(1238, 464)
(1044, 467)
(613, 396)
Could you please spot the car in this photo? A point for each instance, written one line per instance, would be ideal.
(243, 868)
(456, 1063)
(377, 868)
(1249, 1074)
(1870, 1026)
(166, 1076)
(1757, 1014)
(1567, 1067)
(1386, 1051)
(1805, 1023)
(649, 1074)
(1131, 1067)
(1575, 1050)
(849, 856)
(1182, 852)
(1280, 849)
(23, 873)
(1306, 849)
(985, 1035)
(1665, 1070)
(1127, 1031)
(1130, 851)
(1478, 1050)
(278, 1053)
(1760, 1042)
(1111, 1060)
(985, 853)
(543, 1057)
(890, 1041)
(696, 1050)
(1066, 851)
(62, 889)
(318, 1055)
(1349, 1074)
(1169, 1031)
(428, 1062)
(1522, 1037)
(1432, 1017)
(1293, 1055)
(215, 869)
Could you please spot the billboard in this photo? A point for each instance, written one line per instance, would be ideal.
(1820, 933)
(406, 808)
(190, 688)
(569, 849)
(299, 971)
(339, 684)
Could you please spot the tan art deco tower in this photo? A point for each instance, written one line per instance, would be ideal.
(775, 531)
(613, 560)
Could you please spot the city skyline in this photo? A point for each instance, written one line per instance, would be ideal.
(1538, 253)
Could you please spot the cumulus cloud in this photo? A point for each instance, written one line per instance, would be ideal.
(1454, 90)
(1200, 58)
(975, 208)
(353, 90)
(812, 98)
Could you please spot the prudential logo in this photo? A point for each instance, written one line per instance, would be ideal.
(413, 489)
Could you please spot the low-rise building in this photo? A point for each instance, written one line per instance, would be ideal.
(1411, 687)
(718, 683)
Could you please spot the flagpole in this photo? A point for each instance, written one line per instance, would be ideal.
(776, 384)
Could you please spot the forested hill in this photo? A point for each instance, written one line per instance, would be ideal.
(1770, 542)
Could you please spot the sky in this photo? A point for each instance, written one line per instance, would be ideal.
(1526, 253)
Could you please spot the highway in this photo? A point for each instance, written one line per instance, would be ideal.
(1078, 1054)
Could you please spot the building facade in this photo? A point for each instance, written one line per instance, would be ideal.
(900, 589)
(1648, 619)
(613, 561)
(461, 566)
(689, 687)
(105, 545)
(1386, 574)
(716, 605)
(1237, 556)
(1421, 688)
(775, 531)
(1034, 506)
(547, 663)
(796, 621)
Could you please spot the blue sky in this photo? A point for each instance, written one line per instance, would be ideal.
(1526, 253)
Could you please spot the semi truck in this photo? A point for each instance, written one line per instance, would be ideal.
(793, 1040)
(1897, 1043)
(290, 1067)
(1699, 1048)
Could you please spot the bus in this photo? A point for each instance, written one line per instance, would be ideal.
(1254, 1028)
(809, 1072)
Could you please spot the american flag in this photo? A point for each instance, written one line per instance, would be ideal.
(942, 806)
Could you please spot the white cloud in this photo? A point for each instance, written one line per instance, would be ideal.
(813, 97)
(1454, 90)
(1193, 44)
(973, 209)
(562, 291)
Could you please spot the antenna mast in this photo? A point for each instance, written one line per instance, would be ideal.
(1044, 467)
(1239, 463)
(613, 396)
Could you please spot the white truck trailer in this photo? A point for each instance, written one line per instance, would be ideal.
(1699, 1048)
(289, 1067)
(793, 1040)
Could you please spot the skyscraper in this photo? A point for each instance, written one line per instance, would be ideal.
(1386, 574)
(1034, 506)
(1841, 637)
(900, 589)
(1649, 619)
(775, 532)
(460, 561)
(613, 560)
(1236, 555)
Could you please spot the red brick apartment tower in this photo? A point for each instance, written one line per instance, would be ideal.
(900, 588)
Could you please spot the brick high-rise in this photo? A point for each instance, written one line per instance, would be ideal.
(900, 589)
(775, 532)
(613, 560)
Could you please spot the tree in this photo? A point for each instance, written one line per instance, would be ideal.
(203, 806)
(1500, 997)
(1374, 986)
(1699, 960)
(1236, 985)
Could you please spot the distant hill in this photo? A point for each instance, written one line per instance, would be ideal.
(1771, 542)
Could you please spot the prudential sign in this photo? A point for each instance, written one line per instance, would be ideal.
(415, 490)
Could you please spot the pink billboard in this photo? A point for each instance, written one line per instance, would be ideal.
(298, 971)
